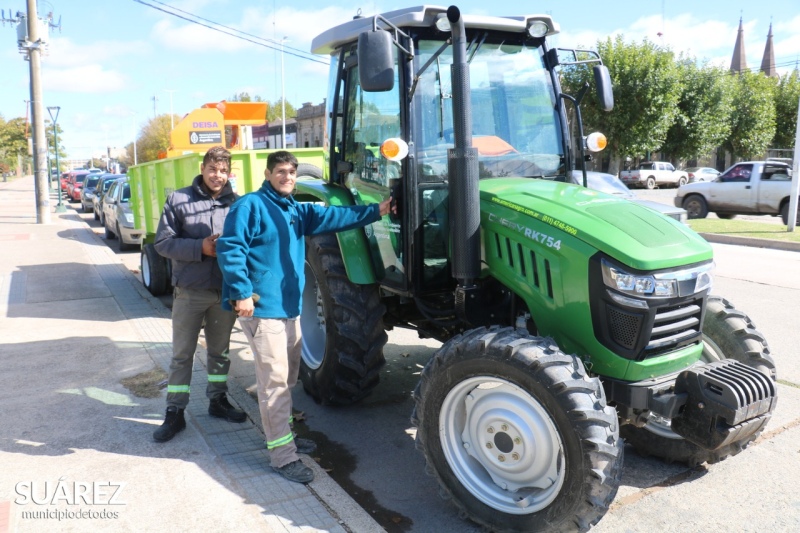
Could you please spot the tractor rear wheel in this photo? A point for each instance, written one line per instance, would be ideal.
(342, 324)
(516, 433)
(727, 334)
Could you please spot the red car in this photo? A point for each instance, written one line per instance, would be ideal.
(74, 185)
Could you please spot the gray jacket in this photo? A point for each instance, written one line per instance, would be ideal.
(190, 215)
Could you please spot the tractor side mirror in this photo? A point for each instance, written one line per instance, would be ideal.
(376, 61)
(602, 81)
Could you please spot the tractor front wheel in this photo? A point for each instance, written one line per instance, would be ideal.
(516, 433)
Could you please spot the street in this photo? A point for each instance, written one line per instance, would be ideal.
(368, 449)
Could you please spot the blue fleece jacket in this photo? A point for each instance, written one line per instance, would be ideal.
(262, 247)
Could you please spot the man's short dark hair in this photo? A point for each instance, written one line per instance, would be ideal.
(217, 154)
(281, 156)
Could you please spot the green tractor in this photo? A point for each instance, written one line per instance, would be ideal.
(571, 320)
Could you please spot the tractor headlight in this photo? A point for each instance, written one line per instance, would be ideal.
(657, 284)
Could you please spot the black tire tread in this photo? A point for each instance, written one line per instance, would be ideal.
(357, 328)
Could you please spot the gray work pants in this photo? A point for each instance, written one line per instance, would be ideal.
(190, 307)
(276, 345)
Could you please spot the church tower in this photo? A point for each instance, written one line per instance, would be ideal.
(768, 61)
(739, 63)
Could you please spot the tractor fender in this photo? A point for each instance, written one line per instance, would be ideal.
(352, 243)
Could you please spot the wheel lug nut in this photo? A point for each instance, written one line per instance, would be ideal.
(504, 427)
(501, 458)
(490, 429)
(517, 440)
(489, 445)
(515, 456)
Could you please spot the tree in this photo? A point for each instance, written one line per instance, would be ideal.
(153, 139)
(703, 121)
(646, 94)
(753, 117)
(245, 97)
(13, 142)
(787, 97)
(275, 111)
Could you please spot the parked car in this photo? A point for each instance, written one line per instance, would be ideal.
(651, 174)
(75, 184)
(701, 174)
(89, 190)
(746, 188)
(118, 217)
(610, 184)
(65, 177)
(101, 188)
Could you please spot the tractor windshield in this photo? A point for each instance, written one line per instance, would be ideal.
(515, 124)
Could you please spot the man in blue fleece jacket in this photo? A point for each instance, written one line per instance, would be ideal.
(262, 252)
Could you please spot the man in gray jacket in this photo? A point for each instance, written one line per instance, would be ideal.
(187, 234)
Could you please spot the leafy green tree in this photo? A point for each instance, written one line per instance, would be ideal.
(275, 112)
(703, 121)
(753, 117)
(646, 93)
(153, 139)
(13, 142)
(787, 98)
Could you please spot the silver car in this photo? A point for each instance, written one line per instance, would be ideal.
(610, 184)
(118, 217)
(701, 174)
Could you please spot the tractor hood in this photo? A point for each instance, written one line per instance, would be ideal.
(630, 233)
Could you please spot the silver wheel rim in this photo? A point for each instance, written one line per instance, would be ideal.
(145, 270)
(693, 208)
(502, 445)
(312, 322)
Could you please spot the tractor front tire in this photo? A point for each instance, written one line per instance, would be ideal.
(516, 433)
(727, 334)
(342, 324)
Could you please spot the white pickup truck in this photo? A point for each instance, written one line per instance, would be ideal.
(746, 188)
(654, 173)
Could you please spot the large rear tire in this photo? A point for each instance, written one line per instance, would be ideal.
(516, 433)
(727, 334)
(342, 324)
(154, 271)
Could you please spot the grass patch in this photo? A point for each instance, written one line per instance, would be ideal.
(745, 228)
(146, 384)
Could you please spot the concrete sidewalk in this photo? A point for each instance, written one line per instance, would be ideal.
(76, 447)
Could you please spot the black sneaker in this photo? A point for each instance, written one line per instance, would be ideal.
(221, 408)
(173, 423)
(296, 471)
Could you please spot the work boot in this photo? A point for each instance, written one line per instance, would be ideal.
(296, 471)
(173, 423)
(221, 408)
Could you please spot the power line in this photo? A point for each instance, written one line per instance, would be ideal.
(238, 34)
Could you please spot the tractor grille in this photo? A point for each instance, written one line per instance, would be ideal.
(674, 326)
(624, 327)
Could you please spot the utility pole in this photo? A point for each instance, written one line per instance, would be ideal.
(155, 99)
(32, 44)
(171, 114)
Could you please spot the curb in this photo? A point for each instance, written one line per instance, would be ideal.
(747, 241)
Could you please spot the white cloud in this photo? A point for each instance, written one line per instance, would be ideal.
(87, 79)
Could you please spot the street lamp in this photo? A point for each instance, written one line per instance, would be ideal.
(283, 98)
(55, 109)
(135, 160)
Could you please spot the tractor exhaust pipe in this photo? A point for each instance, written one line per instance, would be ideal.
(462, 162)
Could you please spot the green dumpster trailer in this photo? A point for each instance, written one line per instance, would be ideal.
(153, 181)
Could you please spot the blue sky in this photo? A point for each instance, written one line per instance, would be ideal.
(111, 57)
